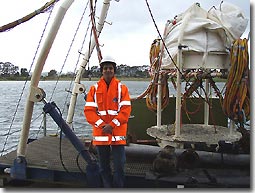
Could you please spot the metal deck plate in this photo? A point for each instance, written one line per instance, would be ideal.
(45, 153)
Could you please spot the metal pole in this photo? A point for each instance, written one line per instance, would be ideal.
(178, 95)
(92, 168)
(159, 101)
(44, 124)
(206, 108)
(86, 58)
(21, 151)
(231, 127)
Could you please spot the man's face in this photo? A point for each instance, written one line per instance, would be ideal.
(108, 71)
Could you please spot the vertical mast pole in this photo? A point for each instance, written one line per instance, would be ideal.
(159, 101)
(178, 94)
(31, 99)
(206, 107)
(77, 86)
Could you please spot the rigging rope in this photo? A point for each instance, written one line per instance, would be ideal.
(236, 103)
(94, 30)
(68, 52)
(77, 29)
(155, 60)
(43, 9)
(24, 86)
(152, 90)
(78, 59)
(77, 62)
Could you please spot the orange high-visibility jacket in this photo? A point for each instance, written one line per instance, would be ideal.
(110, 106)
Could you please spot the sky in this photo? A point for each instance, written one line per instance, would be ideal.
(127, 39)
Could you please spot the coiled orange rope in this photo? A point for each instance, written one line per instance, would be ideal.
(236, 102)
(151, 98)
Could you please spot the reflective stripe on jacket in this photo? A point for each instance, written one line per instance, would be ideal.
(108, 106)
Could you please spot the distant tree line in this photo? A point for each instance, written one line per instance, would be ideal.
(10, 71)
(123, 70)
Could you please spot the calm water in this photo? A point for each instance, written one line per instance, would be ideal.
(10, 100)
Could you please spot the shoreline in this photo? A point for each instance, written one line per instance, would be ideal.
(91, 79)
(83, 79)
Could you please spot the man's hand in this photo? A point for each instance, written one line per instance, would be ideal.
(107, 129)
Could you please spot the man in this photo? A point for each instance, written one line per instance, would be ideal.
(107, 109)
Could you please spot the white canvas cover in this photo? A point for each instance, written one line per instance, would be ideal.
(207, 35)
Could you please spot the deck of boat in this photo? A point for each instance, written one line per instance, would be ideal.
(45, 153)
(52, 159)
(44, 165)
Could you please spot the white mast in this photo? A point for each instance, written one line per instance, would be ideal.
(36, 93)
(178, 95)
(78, 87)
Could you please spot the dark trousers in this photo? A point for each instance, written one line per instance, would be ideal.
(119, 159)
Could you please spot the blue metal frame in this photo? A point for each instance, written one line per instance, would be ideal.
(92, 169)
(19, 170)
